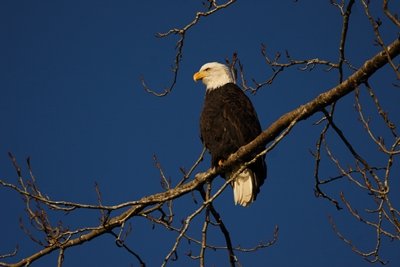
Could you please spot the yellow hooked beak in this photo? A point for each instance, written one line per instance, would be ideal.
(199, 75)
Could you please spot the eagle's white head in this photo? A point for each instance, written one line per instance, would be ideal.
(214, 75)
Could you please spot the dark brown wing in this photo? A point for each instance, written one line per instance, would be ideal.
(229, 121)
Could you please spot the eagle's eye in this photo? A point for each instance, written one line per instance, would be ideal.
(207, 69)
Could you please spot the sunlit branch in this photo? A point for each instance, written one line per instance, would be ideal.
(381, 112)
(375, 25)
(60, 258)
(354, 248)
(392, 17)
(194, 166)
(379, 142)
(205, 227)
(181, 32)
(9, 255)
(278, 67)
(206, 196)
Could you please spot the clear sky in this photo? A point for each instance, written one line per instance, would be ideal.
(71, 99)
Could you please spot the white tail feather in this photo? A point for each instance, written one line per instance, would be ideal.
(243, 188)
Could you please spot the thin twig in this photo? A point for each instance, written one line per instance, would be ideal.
(181, 32)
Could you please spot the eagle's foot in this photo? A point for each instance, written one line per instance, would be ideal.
(220, 162)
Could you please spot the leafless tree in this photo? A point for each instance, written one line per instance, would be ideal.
(380, 213)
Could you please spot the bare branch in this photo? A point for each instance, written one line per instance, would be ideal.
(10, 255)
(181, 32)
(379, 142)
(317, 155)
(375, 26)
(366, 256)
(381, 112)
(393, 18)
(278, 67)
(60, 259)
(121, 243)
(345, 27)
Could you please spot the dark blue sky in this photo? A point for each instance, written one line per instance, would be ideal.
(71, 100)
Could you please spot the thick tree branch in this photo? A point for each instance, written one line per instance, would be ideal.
(323, 100)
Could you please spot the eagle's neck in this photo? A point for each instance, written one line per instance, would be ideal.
(218, 82)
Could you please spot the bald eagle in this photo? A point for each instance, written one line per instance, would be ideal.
(227, 122)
